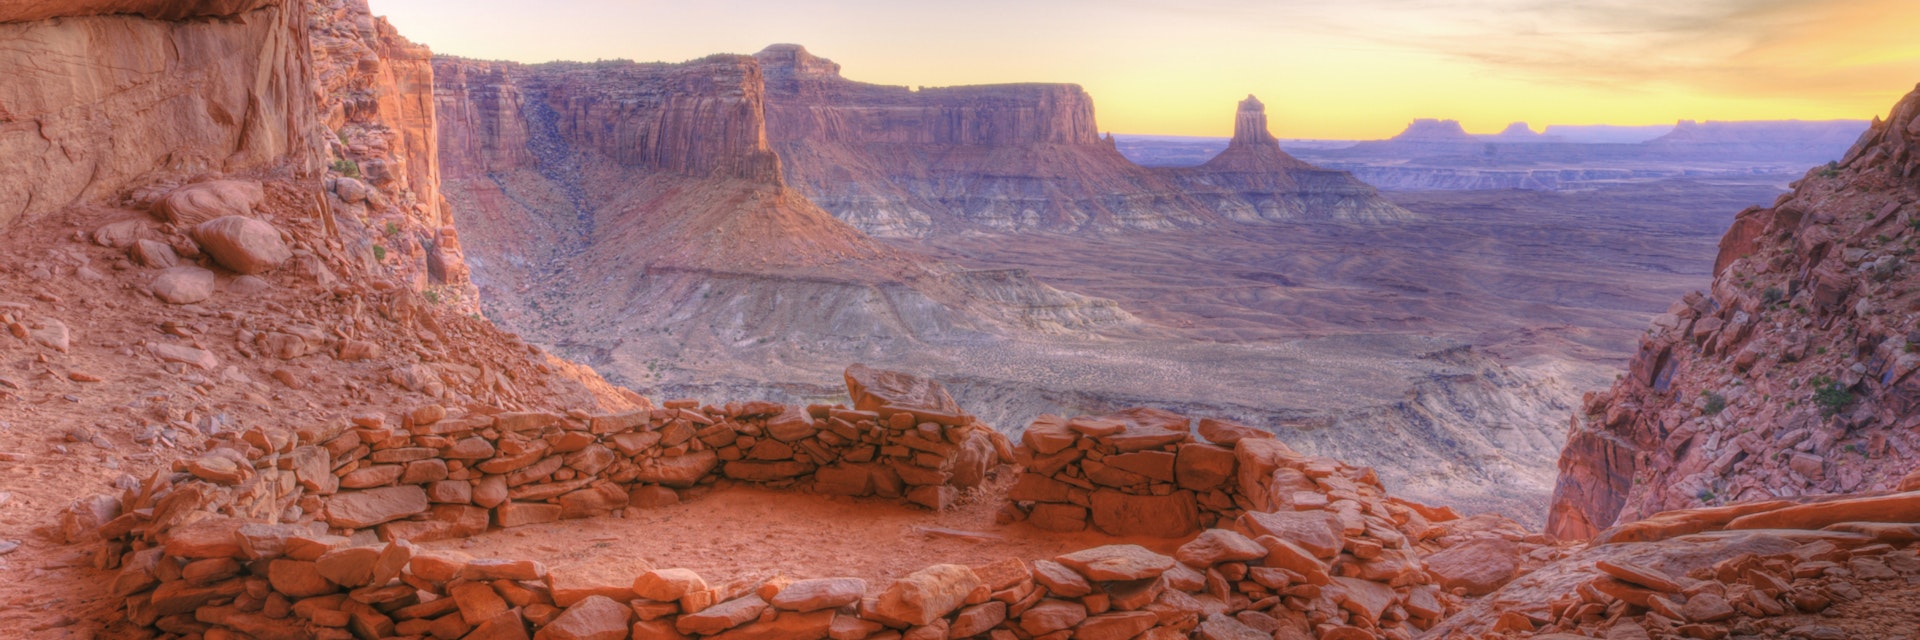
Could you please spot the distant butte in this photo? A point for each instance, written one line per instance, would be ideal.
(898, 162)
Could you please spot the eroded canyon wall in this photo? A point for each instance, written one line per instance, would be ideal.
(1792, 376)
(638, 214)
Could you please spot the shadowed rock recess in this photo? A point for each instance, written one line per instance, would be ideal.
(241, 332)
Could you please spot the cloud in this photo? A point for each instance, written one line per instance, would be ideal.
(1837, 49)
(1840, 50)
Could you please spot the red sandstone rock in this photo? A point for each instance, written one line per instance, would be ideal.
(1122, 514)
(183, 285)
(1215, 546)
(667, 585)
(1116, 562)
(574, 583)
(817, 594)
(202, 201)
(1052, 615)
(1900, 507)
(358, 509)
(593, 618)
(1479, 567)
(721, 617)
(1226, 434)
(1317, 532)
(927, 594)
(243, 245)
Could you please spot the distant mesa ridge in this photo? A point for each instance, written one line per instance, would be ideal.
(894, 161)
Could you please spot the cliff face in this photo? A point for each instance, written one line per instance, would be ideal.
(112, 94)
(894, 161)
(638, 211)
(1792, 376)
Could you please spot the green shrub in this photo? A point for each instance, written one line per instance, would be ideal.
(379, 253)
(1715, 403)
(346, 168)
(1832, 396)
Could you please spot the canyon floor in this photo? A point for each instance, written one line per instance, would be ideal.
(1447, 351)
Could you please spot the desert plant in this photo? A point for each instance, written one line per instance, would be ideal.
(1832, 169)
(379, 253)
(1772, 295)
(346, 168)
(1832, 396)
(1715, 403)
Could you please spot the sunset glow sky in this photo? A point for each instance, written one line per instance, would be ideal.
(1350, 69)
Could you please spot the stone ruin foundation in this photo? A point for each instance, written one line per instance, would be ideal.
(279, 534)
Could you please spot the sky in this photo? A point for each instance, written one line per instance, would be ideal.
(1333, 69)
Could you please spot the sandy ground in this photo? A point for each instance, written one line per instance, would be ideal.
(750, 534)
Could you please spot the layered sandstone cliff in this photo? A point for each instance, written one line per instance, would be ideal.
(638, 214)
(1790, 377)
(895, 161)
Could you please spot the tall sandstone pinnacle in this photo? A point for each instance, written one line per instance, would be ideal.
(1793, 375)
(1250, 123)
(1255, 151)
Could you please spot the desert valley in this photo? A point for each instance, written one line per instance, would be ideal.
(315, 333)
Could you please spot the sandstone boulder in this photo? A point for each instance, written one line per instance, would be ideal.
(927, 594)
(1124, 514)
(1319, 532)
(243, 245)
(680, 472)
(1052, 615)
(592, 618)
(1478, 566)
(873, 389)
(184, 355)
(1215, 546)
(199, 202)
(361, 509)
(668, 585)
(1116, 562)
(1224, 433)
(817, 594)
(721, 617)
(183, 285)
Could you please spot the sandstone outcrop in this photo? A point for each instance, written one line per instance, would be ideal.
(1809, 572)
(1790, 377)
(106, 95)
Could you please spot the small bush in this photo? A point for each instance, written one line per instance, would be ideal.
(379, 253)
(1830, 395)
(1832, 169)
(393, 228)
(1772, 295)
(433, 296)
(346, 168)
(1715, 403)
